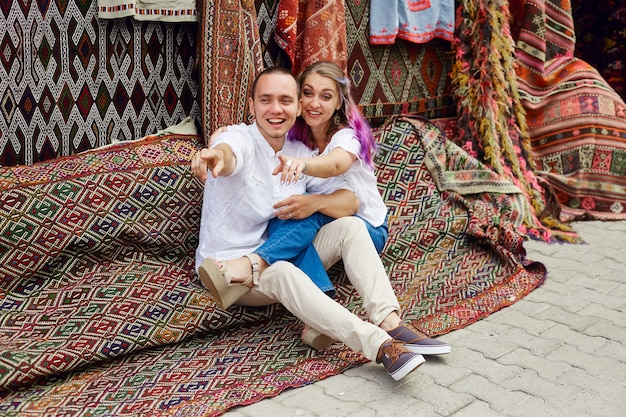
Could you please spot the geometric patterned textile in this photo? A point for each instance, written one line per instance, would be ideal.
(267, 21)
(87, 245)
(576, 121)
(70, 81)
(403, 78)
(101, 312)
(230, 57)
(446, 233)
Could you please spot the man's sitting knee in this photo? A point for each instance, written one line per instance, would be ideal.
(353, 224)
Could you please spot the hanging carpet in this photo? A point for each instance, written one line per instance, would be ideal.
(311, 31)
(576, 121)
(72, 81)
(229, 58)
(101, 312)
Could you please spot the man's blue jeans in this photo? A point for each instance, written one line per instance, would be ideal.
(292, 240)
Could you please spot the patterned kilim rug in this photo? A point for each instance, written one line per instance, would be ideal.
(101, 312)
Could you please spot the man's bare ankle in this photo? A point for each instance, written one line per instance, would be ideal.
(391, 321)
(240, 269)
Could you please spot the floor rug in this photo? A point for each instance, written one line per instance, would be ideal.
(101, 312)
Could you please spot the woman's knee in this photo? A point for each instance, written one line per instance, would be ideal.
(336, 235)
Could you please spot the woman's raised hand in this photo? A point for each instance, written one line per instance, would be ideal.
(290, 169)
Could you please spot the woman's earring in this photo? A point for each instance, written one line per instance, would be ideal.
(336, 119)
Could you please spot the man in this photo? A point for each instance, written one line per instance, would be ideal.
(241, 195)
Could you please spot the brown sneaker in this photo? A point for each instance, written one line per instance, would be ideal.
(417, 341)
(397, 359)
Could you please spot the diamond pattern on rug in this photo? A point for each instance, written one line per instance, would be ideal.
(74, 82)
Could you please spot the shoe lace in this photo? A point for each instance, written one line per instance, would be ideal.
(394, 350)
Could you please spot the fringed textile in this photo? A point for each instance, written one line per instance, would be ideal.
(311, 31)
(229, 56)
(576, 121)
(158, 10)
(416, 21)
(491, 119)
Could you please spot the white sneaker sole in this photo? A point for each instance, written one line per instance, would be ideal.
(429, 350)
(408, 367)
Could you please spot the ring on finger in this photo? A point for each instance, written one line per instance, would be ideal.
(290, 215)
(288, 163)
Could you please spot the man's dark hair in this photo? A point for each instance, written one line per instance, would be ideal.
(274, 70)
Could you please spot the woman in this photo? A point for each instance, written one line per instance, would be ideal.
(333, 126)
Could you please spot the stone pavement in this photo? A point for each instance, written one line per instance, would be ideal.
(561, 351)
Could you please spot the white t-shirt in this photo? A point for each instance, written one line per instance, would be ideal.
(360, 177)
(237, 208)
